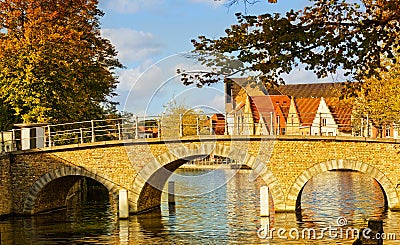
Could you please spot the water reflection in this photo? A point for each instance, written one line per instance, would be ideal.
(349, 194)
(228, 215)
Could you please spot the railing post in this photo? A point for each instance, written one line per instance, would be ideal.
(368, 126)
(211, 126)
(226, 124)
(362, 127)
(81, 135)
(197, 125)
(278, 123)
(13, 140)
(271, 129)
(158, 128)
(180, 126)
(237, 126)
(119, 131)
(93, 132)
(320, 124)
(2, 142)
(136, 127)
(49, 131)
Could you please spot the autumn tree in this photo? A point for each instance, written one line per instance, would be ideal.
(324, 37)
(379, 96)
(54, 64)
(179, 117)
(7, 117)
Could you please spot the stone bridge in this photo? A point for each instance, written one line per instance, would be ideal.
(33, 181)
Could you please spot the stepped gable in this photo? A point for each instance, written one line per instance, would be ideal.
(309, 90)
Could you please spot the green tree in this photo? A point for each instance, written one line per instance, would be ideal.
(179, 116)
(54, 65)
(7, 117)
(379, 97)
(325, 37)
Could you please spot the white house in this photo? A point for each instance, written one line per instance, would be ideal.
(324, 122)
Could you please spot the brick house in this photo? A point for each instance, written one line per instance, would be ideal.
(296, 109)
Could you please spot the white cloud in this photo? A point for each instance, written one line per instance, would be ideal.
(132, 45)
(300, 75)
(132, 6)
(148, 87)
(219, 102)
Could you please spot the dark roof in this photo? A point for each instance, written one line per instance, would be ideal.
(251, 88)
(310, 90)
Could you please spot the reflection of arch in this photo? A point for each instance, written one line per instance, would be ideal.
(146, 196)
(60, 173)
(388, 189)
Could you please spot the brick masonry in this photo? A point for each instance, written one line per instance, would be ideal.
(6, 206)
(38, 180)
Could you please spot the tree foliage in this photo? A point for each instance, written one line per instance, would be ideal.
(379, 97)
(54, 65)
(326, 36)
(230, 3)
(179, 117)
(7, 117)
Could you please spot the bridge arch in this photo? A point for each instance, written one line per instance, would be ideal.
(389, 190)
(73, 174)
(145, 196)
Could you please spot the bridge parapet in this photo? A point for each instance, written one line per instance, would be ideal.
(162, 127)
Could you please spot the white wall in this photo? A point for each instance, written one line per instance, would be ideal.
(330, 128)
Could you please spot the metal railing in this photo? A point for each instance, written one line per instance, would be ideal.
(174, 126)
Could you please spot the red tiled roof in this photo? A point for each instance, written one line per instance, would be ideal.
(218, 122)
(307, 109)
(218, 117)
(279, 104)
(341, 112)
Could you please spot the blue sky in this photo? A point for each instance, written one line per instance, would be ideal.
(150, 35)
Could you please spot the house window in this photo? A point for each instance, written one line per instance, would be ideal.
(323, 122)
(292, 119)
(283, 130)
(387, 132)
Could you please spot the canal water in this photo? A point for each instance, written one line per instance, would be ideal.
(217, 207)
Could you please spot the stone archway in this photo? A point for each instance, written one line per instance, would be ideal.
(64, 172)
(387, 187)
(145, 196)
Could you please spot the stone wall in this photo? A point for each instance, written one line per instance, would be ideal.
(40, 180)
(294, 162)
(5, 186)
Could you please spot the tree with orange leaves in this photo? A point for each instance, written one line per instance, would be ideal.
(54, 64)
